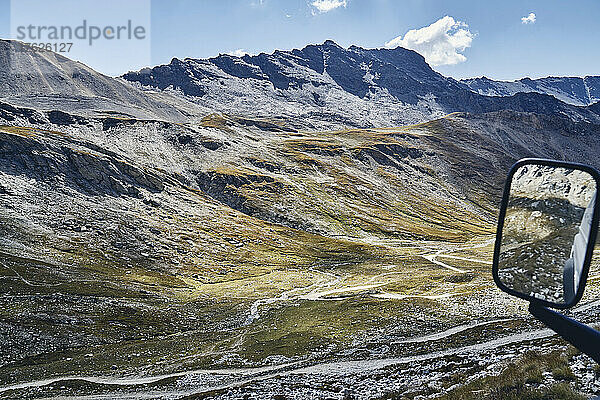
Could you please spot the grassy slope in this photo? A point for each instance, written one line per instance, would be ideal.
(168, 284)
(195, 256)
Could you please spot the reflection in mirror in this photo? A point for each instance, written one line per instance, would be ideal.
(546, 232)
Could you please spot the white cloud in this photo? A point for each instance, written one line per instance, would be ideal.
(441, 43)
(323, 6)
(238, 53)
(530, 19)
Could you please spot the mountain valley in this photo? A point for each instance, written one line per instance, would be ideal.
(313, 223)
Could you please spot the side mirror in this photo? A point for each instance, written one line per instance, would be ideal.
(547, 231)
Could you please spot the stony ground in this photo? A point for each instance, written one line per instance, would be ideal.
(237, 258)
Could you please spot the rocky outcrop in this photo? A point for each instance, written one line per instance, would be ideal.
(49, 157)
(389, 154)
(10, 113)
(225, 185)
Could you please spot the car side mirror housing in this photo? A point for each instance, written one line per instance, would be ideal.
(547, 231)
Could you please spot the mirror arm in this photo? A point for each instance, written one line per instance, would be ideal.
(585, 338)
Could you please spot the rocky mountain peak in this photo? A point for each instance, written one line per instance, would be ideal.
(573, 90)
(352, 86)
(397, 73)
(331, 43)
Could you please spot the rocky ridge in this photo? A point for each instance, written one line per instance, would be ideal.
(572, 90)
(326, 86)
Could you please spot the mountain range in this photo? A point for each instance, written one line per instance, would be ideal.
(318, 87)
(208, 226)
(573, 90)
(327, 86)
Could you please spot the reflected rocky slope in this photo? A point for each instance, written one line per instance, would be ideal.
(544, 218)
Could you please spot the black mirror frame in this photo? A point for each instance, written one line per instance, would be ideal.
(593, 234)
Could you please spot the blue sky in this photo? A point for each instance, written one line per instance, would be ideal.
(492, 41)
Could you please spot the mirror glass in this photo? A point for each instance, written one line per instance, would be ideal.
(546, 232)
